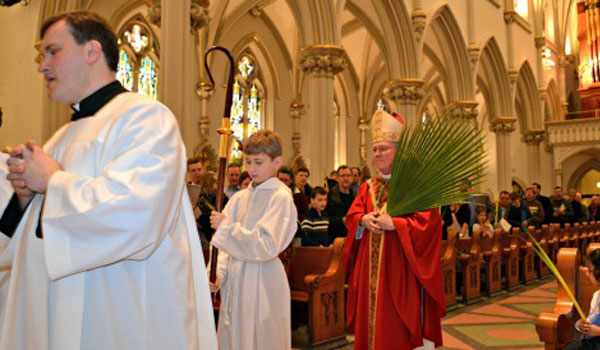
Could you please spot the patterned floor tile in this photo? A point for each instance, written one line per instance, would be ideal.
(506, 335)
(500, 310)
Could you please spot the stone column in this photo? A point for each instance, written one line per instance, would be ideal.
(473, 48)
(558, 172)
(502, 127)
(297, 110)
(419, 19)
(406, 94)
(540, 44)
(510, 16)
(533, 138)
(321, 63)
(363, 128)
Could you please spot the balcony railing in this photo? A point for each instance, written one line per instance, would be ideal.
(575, 131)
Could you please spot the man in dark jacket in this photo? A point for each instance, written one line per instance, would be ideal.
(339, 200)
(548, 210)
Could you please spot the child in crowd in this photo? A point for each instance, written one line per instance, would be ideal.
(245, 180)
(483, 223)
(257, 224)
(518, 213)
(590, 327)
(315, 225)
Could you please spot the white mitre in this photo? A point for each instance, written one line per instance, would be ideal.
(386, 127)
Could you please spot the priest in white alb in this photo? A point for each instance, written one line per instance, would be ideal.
(105, 253)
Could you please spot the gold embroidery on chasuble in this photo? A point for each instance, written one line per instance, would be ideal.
(379, 192)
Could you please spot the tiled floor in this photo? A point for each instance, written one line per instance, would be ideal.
(504, 322)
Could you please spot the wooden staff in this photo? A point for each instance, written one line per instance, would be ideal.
(225, 132)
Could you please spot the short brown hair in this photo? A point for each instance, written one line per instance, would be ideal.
(263, 141)
(86, 26)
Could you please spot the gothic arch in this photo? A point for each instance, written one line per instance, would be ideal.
(579, 173)
(551, 100)
(443, 38)
(527, 100)
(492, 80)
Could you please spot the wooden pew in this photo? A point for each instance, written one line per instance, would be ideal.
(510, 261)
(551, 234)
(540, 267)
(564, 239)
(582, 234)
(526, 254)
(491, 250)
(573, 235)
(470, 260)
(449, 269)
(317, 284)
(556, 329)
(595, 230)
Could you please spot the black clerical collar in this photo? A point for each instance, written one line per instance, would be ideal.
(92, 104)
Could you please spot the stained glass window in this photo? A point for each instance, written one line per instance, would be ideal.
(125, 71)
(246, 108)
(381, 104)
(148, 81)
(521, 8)
(138, 54)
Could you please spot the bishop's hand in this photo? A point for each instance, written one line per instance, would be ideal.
(369, 221)
(385, 222)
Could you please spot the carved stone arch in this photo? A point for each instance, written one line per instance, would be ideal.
(527, 100)
(443, 34)
(391, 27)
(492, 77)
(124, 13)
(561, 157)
(551, 98)
(581, 171)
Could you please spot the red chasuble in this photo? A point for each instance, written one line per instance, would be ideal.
(395, 285)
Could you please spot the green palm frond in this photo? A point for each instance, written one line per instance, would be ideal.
(433, 163)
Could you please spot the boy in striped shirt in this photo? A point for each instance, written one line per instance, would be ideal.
(315, 226)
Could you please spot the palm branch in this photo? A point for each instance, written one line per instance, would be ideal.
(433, 163)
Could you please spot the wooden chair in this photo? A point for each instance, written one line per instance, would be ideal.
(317, 282)
(491, 251)
(449, 270)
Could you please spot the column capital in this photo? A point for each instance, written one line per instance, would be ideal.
(204, 90)
(154, 13)
(510, 17)
(404, 91)
(199, 14)
(326, 60)
(503, 126)
(297, 109)
(473, 52)
(534, 136)
(539, 41)
(463, 110)
(565, 60)
(419, 20)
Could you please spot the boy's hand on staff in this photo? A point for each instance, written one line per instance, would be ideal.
(215, 219)
(214, 287)
(588, 329)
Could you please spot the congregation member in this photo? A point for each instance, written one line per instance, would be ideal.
(395, 283)
(315, 226)
(577, 214)
(548, 210)
(195, 170)
(536, 208)
(518, 213)
(285, 175)
(233, 177)
(483, 223)
(206, 204)
(562, 211)
(339, 200)
(301, 181)
(594, 208)
(332, 180)
(6, 193)
(355, 178)
(256, 225)
(503, 205)
(245, 180)
(105, 253)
